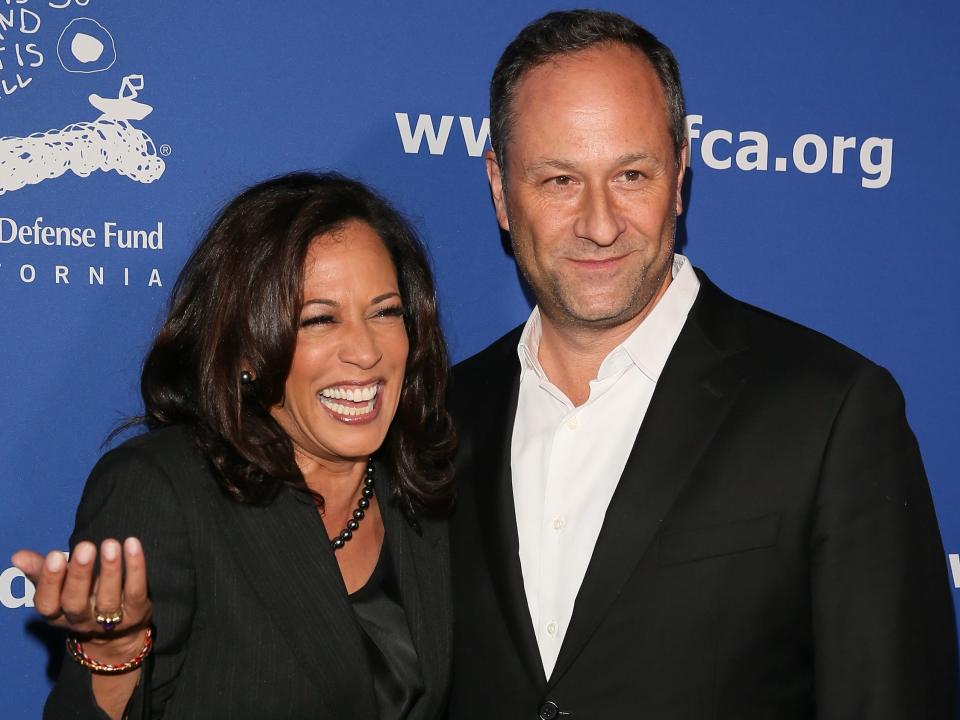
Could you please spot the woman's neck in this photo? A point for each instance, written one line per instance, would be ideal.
(337, 481)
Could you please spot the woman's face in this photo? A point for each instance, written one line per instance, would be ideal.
(348, 366)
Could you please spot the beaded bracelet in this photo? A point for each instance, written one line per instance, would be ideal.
(75, 648)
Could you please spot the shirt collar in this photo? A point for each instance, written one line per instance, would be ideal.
(647, 347)
(650, 343)
(529, 346)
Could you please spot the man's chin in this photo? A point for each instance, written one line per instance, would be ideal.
(594, 316)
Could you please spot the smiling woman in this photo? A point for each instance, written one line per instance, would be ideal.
(285, 507)
(344, 384)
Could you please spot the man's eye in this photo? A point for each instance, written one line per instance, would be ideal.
(561, 180)
(316, 320)
(632, 175)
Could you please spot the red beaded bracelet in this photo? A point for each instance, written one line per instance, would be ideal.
(75, 648)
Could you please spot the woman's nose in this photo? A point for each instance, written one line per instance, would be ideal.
(360, 347)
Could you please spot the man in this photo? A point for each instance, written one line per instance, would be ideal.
(671, 504)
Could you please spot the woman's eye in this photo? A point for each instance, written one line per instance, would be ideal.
(390, 312)
(316, 320)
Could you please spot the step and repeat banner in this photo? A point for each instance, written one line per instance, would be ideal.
(823, 179)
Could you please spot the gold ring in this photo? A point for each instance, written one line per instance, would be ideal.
(109, 620)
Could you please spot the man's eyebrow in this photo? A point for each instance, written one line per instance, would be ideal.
(551, 164)
(568, 166)
(628, 158)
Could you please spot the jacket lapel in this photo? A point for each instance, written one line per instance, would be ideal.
(493, 483)
(693, 395)
(421, 559)
(283, 553)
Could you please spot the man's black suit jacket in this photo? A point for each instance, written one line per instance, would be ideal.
(771, 550)
(252, 619)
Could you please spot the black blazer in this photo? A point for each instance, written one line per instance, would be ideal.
(252, 619)
(771, 550)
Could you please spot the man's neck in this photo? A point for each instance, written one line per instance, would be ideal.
(571, 355)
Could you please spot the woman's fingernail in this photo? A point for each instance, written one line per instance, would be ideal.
(109, 550)
(132, 546)
(84, 553)
(55, 561)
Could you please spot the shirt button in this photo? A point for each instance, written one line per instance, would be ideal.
(551, 629)
(573, 422)
(559, 523)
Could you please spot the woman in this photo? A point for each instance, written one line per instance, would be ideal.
(282, 509)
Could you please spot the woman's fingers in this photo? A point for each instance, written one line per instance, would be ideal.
(49, 583)
(66, 593)
(29, 563)
(107, 600)
(135, 601)
(75, 598)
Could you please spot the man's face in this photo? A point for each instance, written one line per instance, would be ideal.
(591, 188)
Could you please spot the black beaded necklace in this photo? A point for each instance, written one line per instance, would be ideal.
(362, 504)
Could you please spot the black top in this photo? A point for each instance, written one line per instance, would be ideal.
(393, 659)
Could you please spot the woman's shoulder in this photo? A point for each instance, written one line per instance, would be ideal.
(154, 480)
(159, 442)
(166, 458)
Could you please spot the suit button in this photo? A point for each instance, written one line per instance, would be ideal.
(549, 711)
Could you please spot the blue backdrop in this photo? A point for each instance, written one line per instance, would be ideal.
(823, 164)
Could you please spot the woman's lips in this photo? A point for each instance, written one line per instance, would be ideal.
(352, 404)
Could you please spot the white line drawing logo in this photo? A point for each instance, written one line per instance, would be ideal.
(110, 142)
(91, 49)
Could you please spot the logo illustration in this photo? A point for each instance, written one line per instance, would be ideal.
(110, 142)
(86, 46)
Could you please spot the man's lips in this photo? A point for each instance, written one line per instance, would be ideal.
(598, 264)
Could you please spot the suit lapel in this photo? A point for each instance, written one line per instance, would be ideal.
(696, 389)
(421, 560)
(283, 552)
(493, 483)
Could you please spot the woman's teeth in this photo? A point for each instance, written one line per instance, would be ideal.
(365, 397)
(354, 394)
(351, 411)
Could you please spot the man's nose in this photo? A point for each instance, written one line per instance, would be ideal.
(360, 347)
(599, 220)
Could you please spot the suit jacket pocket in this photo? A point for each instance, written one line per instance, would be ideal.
(682, 546)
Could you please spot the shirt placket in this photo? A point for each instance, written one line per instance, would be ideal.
(553, 535)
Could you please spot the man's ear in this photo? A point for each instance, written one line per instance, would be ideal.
(495, 176)
(684, 159)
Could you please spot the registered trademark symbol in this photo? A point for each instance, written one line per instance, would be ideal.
(165, 150)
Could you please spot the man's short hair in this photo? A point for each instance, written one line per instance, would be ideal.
(570, 31)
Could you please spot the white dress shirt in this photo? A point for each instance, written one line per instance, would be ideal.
(566, 461)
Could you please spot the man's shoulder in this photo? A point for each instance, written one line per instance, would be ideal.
(778, 343)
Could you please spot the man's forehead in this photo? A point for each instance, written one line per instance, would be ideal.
(604, 101)
(596, 59)
(606, 79)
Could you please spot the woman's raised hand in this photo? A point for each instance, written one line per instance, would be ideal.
(109, 611)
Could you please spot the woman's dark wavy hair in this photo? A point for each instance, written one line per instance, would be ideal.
(236, 306)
